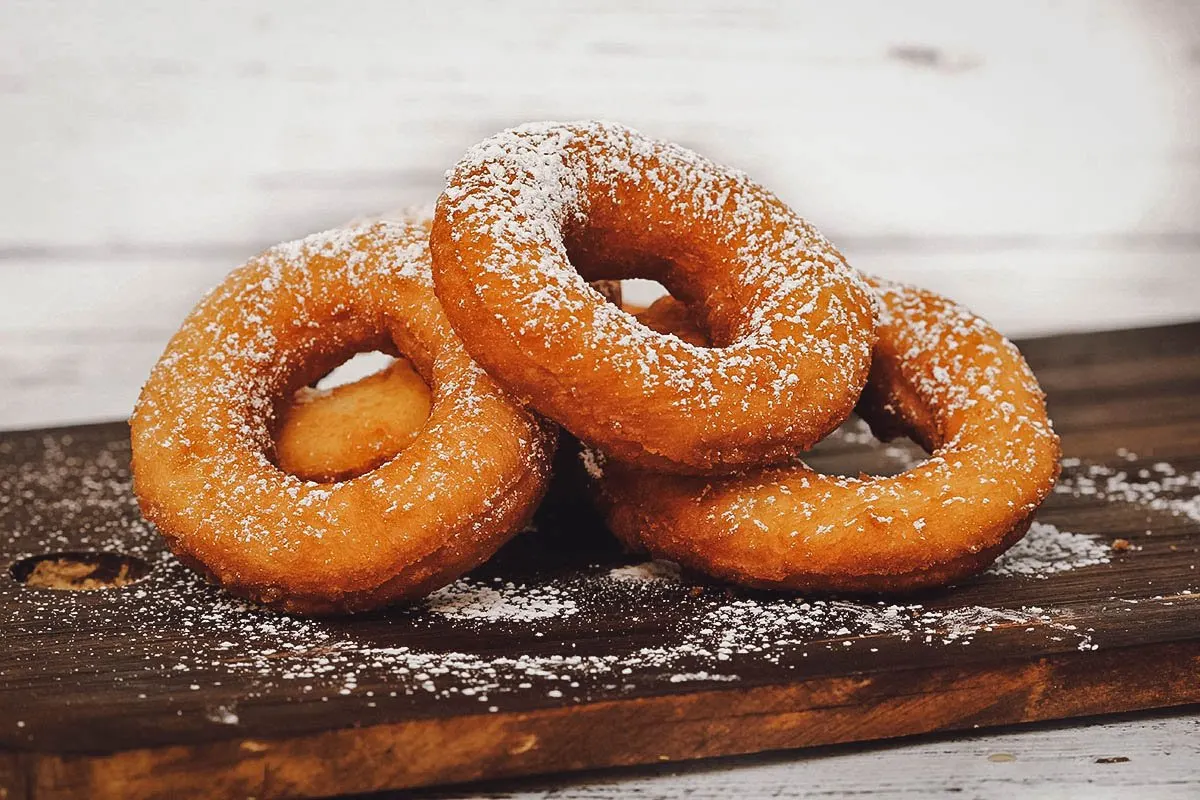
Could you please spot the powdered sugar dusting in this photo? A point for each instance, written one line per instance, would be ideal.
(191, 634)
(223, 715)
(517, 199)
(1158, 486)
(1046, 550)
(466, 599)
(647, 571)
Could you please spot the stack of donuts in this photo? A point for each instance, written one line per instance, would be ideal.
(689, 419)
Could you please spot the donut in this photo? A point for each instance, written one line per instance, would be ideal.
(529, 216)
(941, 376)
(205, 470)
(373, 418)
(335, 434)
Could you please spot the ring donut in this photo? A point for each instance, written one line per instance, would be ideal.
(203, 452)
(941, 376)
(532, 214)
(326, 435)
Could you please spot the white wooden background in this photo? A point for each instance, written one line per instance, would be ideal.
(1039, 160)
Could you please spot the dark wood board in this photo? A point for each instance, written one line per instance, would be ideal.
(165, 688)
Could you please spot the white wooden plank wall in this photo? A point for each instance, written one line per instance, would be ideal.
(1039, 160)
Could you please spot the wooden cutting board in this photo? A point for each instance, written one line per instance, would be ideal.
(563, 653)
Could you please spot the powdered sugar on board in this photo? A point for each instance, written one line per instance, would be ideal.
(648, 571)
(1046, 550)
(1158, 486)
(504, 601)
(585, 625)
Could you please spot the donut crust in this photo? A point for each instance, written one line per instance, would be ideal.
(941, 376)
(203, 454)
(336, 434)
(532, 214)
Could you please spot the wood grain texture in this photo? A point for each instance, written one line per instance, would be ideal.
(84, 356)
(97, 706)
(1037, 162)
(926, 121)
(1150, 756)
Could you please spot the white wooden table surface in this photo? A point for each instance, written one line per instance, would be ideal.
(1038, 160)
(1156, 756)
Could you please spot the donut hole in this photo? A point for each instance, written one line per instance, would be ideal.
(355, 368)
(647, 275)
(638, 294)
(79, 571)
(665, 314)
(852, 451)
(359, 415)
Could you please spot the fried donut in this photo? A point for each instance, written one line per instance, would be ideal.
(335, 434)
(530, 215)
(941, 376)
(202, 445)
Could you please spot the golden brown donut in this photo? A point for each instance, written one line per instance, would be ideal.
(202, 446)
(532, 214)
(335, 434)
(940, 375)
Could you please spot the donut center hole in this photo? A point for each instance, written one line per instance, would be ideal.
(82, 571)
(638, 294)
(358, 416)
(852, 451)
(355, 368)
(660, 311)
